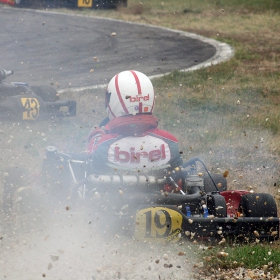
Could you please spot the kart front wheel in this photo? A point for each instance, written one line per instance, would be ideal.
(258, 205)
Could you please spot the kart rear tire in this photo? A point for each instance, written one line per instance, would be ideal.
(217, 205)
(258, 205)
(47, 93)
(219, 180)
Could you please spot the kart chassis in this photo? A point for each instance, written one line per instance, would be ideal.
(202, 208)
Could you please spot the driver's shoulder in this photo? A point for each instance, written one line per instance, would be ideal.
(163, 134)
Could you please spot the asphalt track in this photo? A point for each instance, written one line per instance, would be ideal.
(77, 51)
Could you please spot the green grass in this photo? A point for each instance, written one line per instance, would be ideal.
(253, 5)
(196, 6)
(263, 256)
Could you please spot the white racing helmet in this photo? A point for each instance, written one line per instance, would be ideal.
(129, 93)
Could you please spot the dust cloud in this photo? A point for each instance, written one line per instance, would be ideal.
(70, 245)
(39, 240)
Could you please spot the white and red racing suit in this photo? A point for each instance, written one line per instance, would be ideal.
(133, 143)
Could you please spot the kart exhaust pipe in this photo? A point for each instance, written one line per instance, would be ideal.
(160, 198)
(175, 198)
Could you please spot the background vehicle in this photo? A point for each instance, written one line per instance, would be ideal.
(19, 101)
(68, 3)
(140, 205)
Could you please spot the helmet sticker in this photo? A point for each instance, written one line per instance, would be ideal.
(133, 152)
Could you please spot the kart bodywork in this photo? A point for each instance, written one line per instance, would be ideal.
(138, 203)
(19, 101)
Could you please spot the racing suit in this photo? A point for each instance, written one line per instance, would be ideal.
(133, 143)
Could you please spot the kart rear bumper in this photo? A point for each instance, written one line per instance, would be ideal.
(168, 223)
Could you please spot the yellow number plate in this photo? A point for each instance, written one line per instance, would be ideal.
(31, 108)
(85, 3)
(159, 223)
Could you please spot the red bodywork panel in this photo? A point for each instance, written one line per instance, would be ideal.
(232, 200)
(10, 2)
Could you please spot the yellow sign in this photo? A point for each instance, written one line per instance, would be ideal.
(160, 223)
(31, 108)
(85, 3)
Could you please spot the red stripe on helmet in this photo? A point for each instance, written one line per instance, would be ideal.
(119, 93)
(137, 82)
(138, 89)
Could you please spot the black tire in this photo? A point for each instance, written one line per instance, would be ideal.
(219, 180)
(47, 93)
(109, 4)
(22, 3)
(217, 205)
(258, 205)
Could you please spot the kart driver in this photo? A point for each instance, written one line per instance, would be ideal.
(129, 139)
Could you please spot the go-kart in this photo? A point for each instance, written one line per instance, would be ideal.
(162, 205)
(19, 101)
